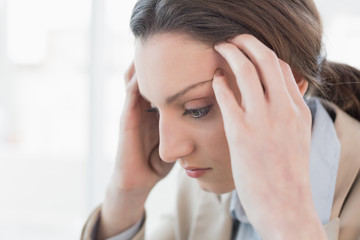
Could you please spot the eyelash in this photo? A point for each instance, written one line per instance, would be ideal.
(191, 112)
(201, 111)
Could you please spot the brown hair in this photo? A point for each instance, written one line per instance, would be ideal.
(291, 28)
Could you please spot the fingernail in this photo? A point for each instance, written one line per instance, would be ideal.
(219, 73)
(216, 46)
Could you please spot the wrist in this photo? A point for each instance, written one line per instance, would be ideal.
(119, 197)
(120, 210)
(301, 227)
(121, 183)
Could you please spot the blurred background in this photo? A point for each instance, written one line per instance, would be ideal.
(61, 95)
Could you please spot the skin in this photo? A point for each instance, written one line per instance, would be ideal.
(195, 142)
(270, 158)
(264, 156)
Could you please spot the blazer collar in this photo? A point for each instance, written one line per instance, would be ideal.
(348, 132)
(212, 220)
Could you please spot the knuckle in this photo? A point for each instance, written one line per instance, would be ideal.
(246, 68)
(297, 118)
(267, 57)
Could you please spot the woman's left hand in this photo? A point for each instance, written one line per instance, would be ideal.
(268, 133)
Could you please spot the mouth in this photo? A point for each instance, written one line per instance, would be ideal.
(196, 172)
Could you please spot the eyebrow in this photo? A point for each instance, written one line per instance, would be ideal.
(171, 99)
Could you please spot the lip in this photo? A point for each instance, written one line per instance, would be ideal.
(196, 172)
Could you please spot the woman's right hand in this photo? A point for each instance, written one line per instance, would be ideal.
(138, 165)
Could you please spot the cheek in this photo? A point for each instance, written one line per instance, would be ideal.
(214, 137)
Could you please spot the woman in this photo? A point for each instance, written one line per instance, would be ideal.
(218, 86)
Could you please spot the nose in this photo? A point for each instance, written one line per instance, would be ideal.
(175, 142)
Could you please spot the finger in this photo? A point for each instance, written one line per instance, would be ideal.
(132, 92)
(229, 107)
(290, 82)
(129, 72)
(160, 167)
(266, 63)
(132, 84)
(246, 76)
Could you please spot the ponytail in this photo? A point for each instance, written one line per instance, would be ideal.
(341, 86)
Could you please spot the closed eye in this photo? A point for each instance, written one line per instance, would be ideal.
(198, 112)
(194, 113)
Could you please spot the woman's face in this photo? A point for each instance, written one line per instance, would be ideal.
(175, 75)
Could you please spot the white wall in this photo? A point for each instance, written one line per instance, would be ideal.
(61, 94)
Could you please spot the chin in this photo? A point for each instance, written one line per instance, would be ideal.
(216, 188)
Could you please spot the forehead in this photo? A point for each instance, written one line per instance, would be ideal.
(165, 63)
(171, 46)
